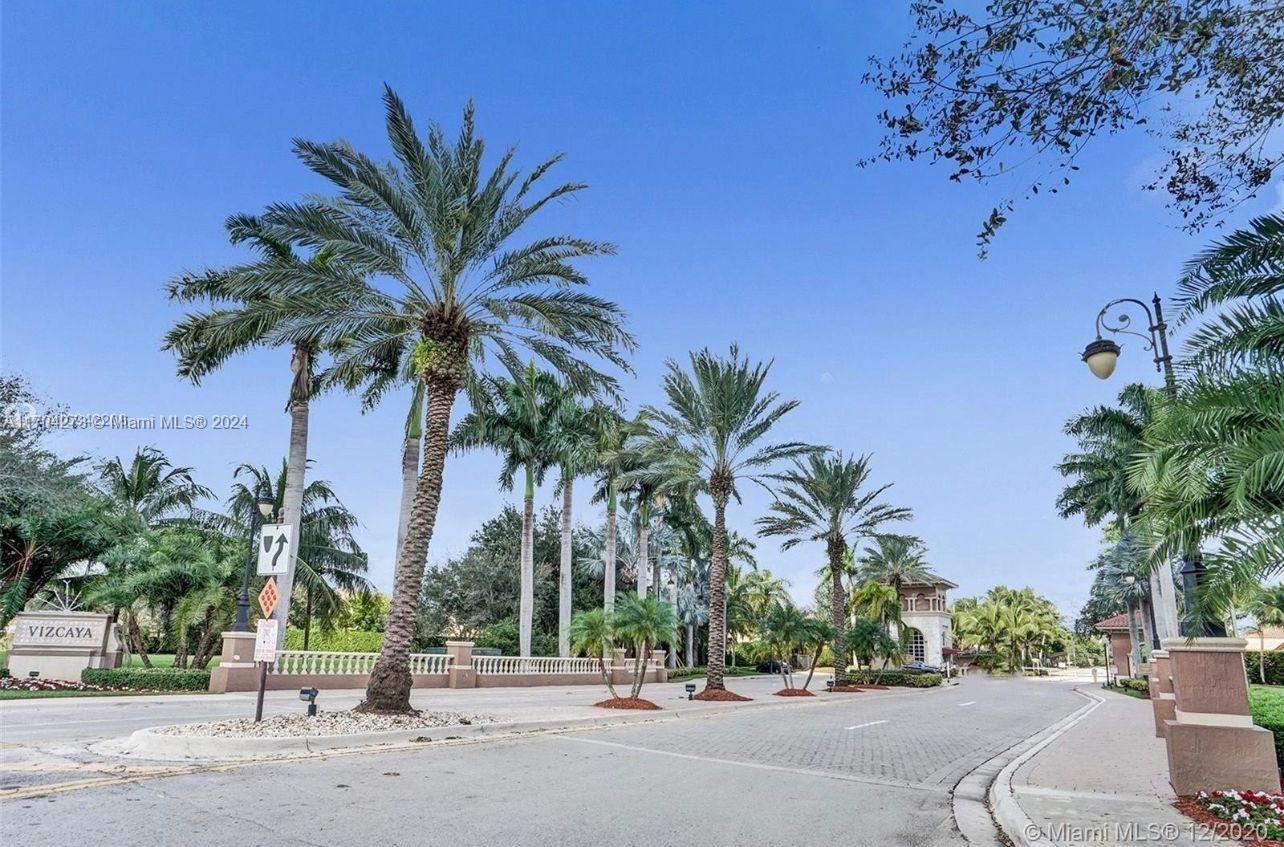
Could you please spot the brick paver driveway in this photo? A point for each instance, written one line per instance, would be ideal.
(863, 769)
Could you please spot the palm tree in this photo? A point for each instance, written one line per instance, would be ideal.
(576, 446)
(244, 315)
(896, 561)
(867, 641)
(822, 498)
(149, 489)
(1268, 610)
(593, 634)
(879, 601)
(430, 264)
(816, 635)
(518, 419)
(331, 564)
(643, 622)
(708, 438)
(785, 627)
(611, 430)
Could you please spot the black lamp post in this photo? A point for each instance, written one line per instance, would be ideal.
(264, 505)
(1101, 355)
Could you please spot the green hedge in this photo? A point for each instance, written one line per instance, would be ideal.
(896, 678)
(1134, 684)
(339, 641)
(679, 674)
(1274, 665)
(149, 679)
(1267, 707)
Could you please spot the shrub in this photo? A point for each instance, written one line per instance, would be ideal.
(897, 678)
(149, 679)
(1267, 708)
(339, 641)
(4, 673)
(1274, 660)
(1133, 684)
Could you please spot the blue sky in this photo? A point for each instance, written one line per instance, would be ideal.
(720, 143)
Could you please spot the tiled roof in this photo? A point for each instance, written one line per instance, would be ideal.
(1118, 622)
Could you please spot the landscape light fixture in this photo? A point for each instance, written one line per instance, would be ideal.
(309, 696)
(34, 674)
(691, 687)
(266, 505)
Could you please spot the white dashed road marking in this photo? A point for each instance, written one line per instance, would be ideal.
(863, 725)
(968, 703)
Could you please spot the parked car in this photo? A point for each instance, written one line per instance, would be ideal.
(920, 667)
(771, 666)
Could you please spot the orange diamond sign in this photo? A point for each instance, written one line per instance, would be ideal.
(268, 597)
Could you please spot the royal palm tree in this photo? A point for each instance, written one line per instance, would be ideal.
(576, 455)
(331, 564)
(1267, 609)
(518, 419)
(708, 437)
(823, 498)
(428, 258)
(611, 430)
(245, 314)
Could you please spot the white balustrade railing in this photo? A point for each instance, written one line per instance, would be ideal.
(499, 665)
(315, 662)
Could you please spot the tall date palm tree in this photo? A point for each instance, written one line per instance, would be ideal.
(429, 251)
(708, 438)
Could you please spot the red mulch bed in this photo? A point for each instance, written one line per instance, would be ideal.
(722, 695)
(794, 692)
(636, 703)
(1190, 807)
(847, 689)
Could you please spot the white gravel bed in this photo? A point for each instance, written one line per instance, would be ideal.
(325, 723)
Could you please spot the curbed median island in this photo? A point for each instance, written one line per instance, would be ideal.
(322, 724)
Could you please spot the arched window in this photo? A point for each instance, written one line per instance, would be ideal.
(917, 646)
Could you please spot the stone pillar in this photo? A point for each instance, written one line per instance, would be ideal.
(1161, 691)
(1212, 742)
(236, 670)
(460, 671)
(657, 662)
(621, 668)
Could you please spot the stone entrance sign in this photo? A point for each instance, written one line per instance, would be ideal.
(59, 645)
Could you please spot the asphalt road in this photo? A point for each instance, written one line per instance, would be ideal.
(844, 769)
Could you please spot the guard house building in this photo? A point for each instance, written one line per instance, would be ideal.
(925, 613)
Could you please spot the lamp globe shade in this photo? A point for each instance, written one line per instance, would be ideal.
(1101, 356)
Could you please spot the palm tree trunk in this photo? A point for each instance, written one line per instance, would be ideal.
(644, 545)
(295, 469)
(564, 573)
(608, 564)
(136, 635)
(838, 611)
(606, 677)
(718, 595)
(206, 642)
(690, 645)
(526, 602)
(307, 621)
(410, 462)
(389, 687)
(639, 669)
(672, 658)
(814, 661)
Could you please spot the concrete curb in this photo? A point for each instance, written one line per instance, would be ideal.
(985, 807)
(151, 745)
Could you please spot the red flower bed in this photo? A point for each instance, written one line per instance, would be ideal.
(636, 703)
(1253, 817)
(794, 692)
(721, 695)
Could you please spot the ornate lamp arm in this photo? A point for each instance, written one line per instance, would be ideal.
(1123, 325)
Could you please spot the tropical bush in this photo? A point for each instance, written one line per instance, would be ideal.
(149, 679)
(1133, 684)
(1267, 708)
(894, 678)
(339, 641)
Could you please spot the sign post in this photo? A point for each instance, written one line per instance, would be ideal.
(265, 641)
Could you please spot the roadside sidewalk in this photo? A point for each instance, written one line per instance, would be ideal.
(1103, 782)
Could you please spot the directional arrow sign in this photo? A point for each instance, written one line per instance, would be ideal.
(274, 549)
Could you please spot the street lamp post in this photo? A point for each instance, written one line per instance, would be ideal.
(263, 508)
(1101, 356)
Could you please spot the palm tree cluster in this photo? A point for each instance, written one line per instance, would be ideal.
(1009, 628)
(1196, 473)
